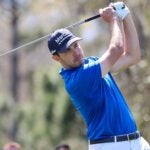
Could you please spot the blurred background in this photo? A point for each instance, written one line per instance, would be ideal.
(35, 109)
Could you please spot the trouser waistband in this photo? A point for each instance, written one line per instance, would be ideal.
(119, 138)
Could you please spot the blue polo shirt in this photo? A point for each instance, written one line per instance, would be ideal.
(99, 100)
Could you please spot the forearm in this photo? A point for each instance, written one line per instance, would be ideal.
(131, 42)
(115, 49)
(116, 33)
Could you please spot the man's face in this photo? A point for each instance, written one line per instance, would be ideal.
(72, 57)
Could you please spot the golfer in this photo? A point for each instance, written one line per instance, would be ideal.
(90, 84)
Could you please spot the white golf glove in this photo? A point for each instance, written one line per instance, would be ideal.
(121, 9)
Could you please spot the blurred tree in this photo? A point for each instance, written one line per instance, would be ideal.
(14, 75)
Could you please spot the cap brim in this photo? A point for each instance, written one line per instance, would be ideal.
(69, 43)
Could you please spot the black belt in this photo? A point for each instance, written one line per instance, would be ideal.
(118, 138)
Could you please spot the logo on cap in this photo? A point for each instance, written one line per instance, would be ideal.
(61, 38)
(53, 51)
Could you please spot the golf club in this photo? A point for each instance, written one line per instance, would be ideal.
(39, 39)
(68, 27)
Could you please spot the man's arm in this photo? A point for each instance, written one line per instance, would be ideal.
(115, 49)
(131, 53)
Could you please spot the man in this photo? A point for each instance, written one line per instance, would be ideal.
(63, 147)
(91, 86)
(12, 146)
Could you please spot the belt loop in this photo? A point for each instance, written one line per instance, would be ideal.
(128, 137)
(115, 138)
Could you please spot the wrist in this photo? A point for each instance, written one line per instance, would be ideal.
(128, 19)
(115, 19)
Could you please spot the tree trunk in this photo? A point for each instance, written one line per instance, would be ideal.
(14, 66)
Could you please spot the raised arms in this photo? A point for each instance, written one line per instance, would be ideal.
(124, 49)
(116, 47)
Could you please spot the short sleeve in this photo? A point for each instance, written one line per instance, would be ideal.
(89, 75)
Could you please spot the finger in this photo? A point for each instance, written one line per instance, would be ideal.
(111, 4)
(100, 11)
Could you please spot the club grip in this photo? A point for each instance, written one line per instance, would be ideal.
(92, 18)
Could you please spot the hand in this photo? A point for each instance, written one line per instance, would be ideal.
(121, 9)
(108, 14)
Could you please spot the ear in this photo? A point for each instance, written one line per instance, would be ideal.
(56, 57)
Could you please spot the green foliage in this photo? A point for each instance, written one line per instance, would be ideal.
(48, 118)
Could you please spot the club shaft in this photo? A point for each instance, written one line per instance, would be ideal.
(75, 24)
(39, 39)
(83, 21)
